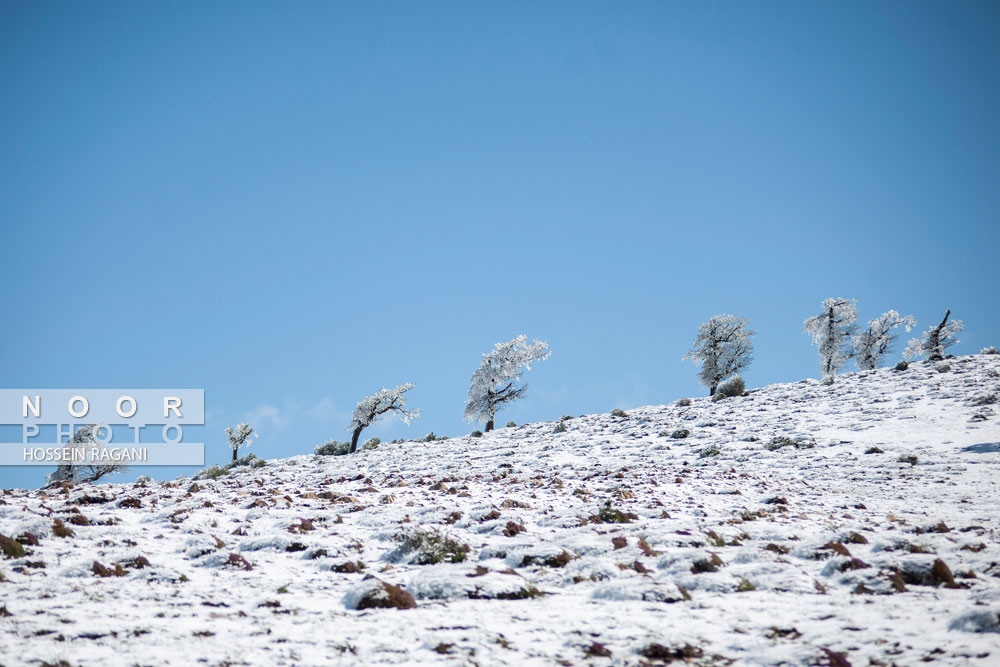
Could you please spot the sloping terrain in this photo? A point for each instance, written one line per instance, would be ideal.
(853, 523)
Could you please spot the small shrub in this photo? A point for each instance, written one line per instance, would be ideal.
(781, 441)
(105, 571)
(250, 460)
(680, 434)
(11, 548)
(618, 412)
(512, 529)
(215, 472)
(988, 399)
(777, 443)
(511, 425)
(211, 472)
(609, 514)
(734, 387)
(373, 443)
(560, 427)
(684, 402)
(989, 350)
(709, 452)
(873, 450)
(333, 448)
(901, 366)
(907, 458)
(476, 434)
(565, 418)
(427, 547)
(431, 437)
(942, 368)
(718, 396)
(745, 586)
(665, 654)
(59, 529)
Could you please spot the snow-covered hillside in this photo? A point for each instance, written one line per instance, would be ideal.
(802, 523)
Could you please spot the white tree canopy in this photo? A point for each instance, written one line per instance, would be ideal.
(831, 332)
(372, 407)
(872, 344)
(724, 346)
(494, 384)
(933, 342)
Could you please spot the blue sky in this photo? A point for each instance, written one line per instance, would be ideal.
(291, 206)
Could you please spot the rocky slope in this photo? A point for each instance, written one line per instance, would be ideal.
(855, 523)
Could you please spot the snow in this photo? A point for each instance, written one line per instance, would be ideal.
(729, 553)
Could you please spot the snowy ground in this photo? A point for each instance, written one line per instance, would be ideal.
(810, 553)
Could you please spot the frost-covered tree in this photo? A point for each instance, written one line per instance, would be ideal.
(494, 384)
(371, 408)
(239, 436)
(872, 344)
(723, 347)
(831, 332)
(83, 472)
(933, 342)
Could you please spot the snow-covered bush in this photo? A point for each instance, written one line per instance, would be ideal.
(211, 472)
(494, 384)
(333, 448)
(239, 437)
(872, 344)
(426, 547)
(214, 472)
(831, 332)
(733, 387)
(372, 407)
(989, 350)
(933, 342)
(724, 346)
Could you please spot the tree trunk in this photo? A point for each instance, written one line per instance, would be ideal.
(711, 390)
(489, 426)
(234, 453)
(354, 440)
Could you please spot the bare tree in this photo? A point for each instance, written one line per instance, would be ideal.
(933, 342)
(831, 332)
(239, 437)
(494, 384)
(723, 347)
(85, 471)
(872, 344)
(372, 407)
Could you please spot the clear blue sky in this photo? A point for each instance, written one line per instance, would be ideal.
(292, 205)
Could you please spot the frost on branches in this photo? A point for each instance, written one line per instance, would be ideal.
(239, 437)
(371, 408)
(84, 437)
(831, 332)
(872, 344)
(933, 342)
(494, 384)
(723, 348)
